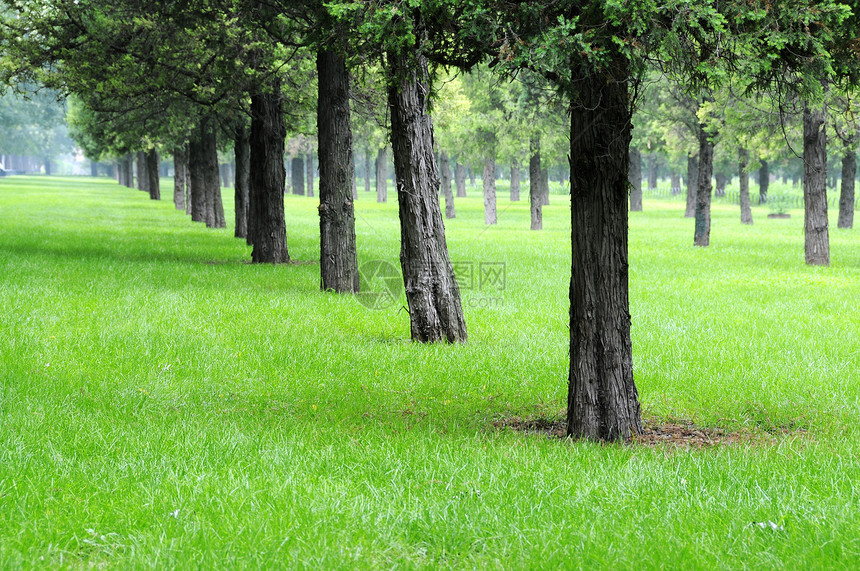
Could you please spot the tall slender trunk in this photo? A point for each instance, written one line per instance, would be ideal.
(445, 172)
(180, 169)
(142, 178)
(266, 214)
(722, 181)
(297, 177)
(675, 184)
(381, 176)
(602, 399)
(460, 180)
(196, 174)
(816, 235)
(309, 165)
(153, 184)
(702, 235)
(544, 181)
(367, 166)
(846, 196)
(515, 181)
(744, 182)
(692, 185)
(212, 177)
(635, 180)
(489, 178)
(432, 293)
(763, 181)
(94, 168)
(338, 254)
(652, 171)
(535, 186)
(242, 154)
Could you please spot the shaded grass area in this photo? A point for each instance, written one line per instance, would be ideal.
(166, 404)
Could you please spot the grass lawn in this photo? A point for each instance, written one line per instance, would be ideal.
(165, 404)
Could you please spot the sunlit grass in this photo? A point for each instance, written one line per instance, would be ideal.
(166, 404)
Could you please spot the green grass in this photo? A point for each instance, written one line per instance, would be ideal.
(165, 404)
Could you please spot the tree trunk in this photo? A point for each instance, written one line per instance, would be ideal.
(675, 184)
(94, 168)
(744, 182)
(652, 171)
(471, 178)
(846, 196)
(535, 186)
(515, 181)
(142, 178)
(266, 191)
(297, 176)
(489, 177)
(763, 182)
(720, 188)
(432, 293)
(212, 177)
(635, 180)
(445, 171)
(692, 185)
(196, 174)
(816, 236)
(602, 399)
(180, 168)
(544, 181)
(460, 180)
(367, 163)
(381, 176)
(241, 197)
(338, 254)
(702, 235)
(309, 166)
(154, 183)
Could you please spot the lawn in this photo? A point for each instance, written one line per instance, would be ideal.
(166, 404)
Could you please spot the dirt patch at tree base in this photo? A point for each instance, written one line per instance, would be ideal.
(658, 433)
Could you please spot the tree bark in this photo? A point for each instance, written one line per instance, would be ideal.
(338, 254)
(381, 176)
(763, 182)
(142, 178)
(196, 174)
(744, 182)
(241, 196)
(722, 181)
(180, 168)
(675, 184)
(445, 171)
(816, 235)
(702, 234)
(489, 178)
(152, 172)
(602, 399)
(635, 180)
(432, 293)
(212, 177)
(846, 196)
(460, 180)
(266, 214)
(515, 181)
(297, 176)
(535, 186)
(309, 165)
(544, 181)
(652, 171)
(692, 185)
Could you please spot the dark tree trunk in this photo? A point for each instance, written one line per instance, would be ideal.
(242, 154)
(544, 181)
(432, 293)
(744, 181)
(702, 235)
(212, 178)
(297, 176)
(675, 184)
(197, 174)
(602, 399)
(816, 235)
(763, 182)
(720, 188)
(515, 181)
(381, 176)
(152, 173)
(367, 166)
(535, 186)
(846, 196)
(180, 169)
(142, 178)
(692, 185)
(635, 180)
(48, 167)
(266, 191)
(129, 171)
(652, 171)
(338, 254)
(460, 180)
(445, 171)
(94, 168)
(489, 177)
(309, 166)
